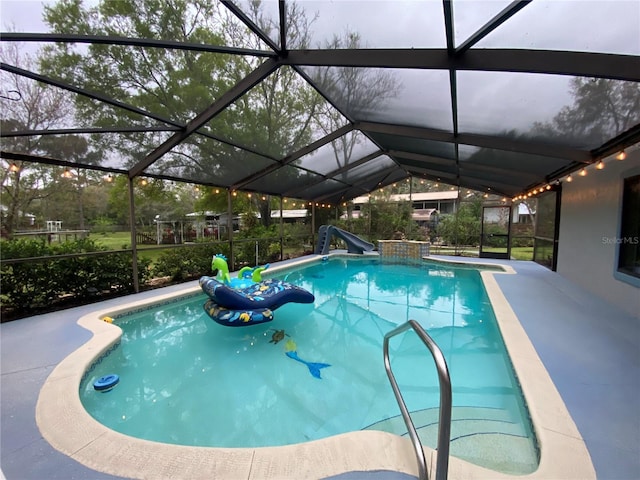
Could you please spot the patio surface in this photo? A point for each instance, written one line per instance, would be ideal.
(590, 348)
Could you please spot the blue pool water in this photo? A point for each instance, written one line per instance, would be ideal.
(186, 380)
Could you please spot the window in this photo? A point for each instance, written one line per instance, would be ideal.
(629, 239)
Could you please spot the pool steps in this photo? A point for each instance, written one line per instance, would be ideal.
(480, 435)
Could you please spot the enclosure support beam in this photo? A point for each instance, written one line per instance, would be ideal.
(230, 227)
(134, 245)
(281, 230)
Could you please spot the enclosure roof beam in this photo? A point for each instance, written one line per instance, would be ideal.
(133, 42)
(479, 183)
(231, 95)
(486, 141)
(509, 11)
(251, 25)
(23, 157)
(80, 131)
(86, 93)
(294, 156)
(462, 165)
(587, 64)
(358, 184)
(332, 174)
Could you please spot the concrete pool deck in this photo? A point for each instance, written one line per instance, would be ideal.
(588, 347)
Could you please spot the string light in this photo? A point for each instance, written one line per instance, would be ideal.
(622, 155)
(600, 165)
(14, 168)
(569, 179)
(109, 178)
(144, 182)
(67, 173)
(583, 172)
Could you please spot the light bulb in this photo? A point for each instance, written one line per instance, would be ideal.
(583, 172)
(600, 165)
(569, 179)
(622, 155)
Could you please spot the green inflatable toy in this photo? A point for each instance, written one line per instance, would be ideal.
(219, 262)
(246, 275)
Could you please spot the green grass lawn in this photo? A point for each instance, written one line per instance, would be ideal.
(113, 240)
(517, 253)
(122, 240)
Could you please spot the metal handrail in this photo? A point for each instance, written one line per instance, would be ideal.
(444, 425)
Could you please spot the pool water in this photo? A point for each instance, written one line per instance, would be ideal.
(186, 380)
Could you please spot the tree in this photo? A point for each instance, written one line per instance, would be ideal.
(354, 91)
(34, 107)
(274, 118)
(601, 109)
(463, 227)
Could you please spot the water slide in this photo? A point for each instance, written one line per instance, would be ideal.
(354, 243)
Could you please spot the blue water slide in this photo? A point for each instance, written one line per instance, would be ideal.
(354, 243)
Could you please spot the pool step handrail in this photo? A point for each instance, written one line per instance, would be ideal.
(444, 422)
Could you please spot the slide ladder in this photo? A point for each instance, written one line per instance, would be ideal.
(354, 243)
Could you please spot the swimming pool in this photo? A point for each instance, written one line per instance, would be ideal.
(236, 388)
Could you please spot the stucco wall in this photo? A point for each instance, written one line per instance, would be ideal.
(589, 229)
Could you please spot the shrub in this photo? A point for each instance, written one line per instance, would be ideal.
(45, 282)
(188, 263)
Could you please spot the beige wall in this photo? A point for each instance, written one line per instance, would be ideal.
(589, 229)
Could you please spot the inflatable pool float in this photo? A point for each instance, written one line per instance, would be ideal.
(250, 305)
(236, 318)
